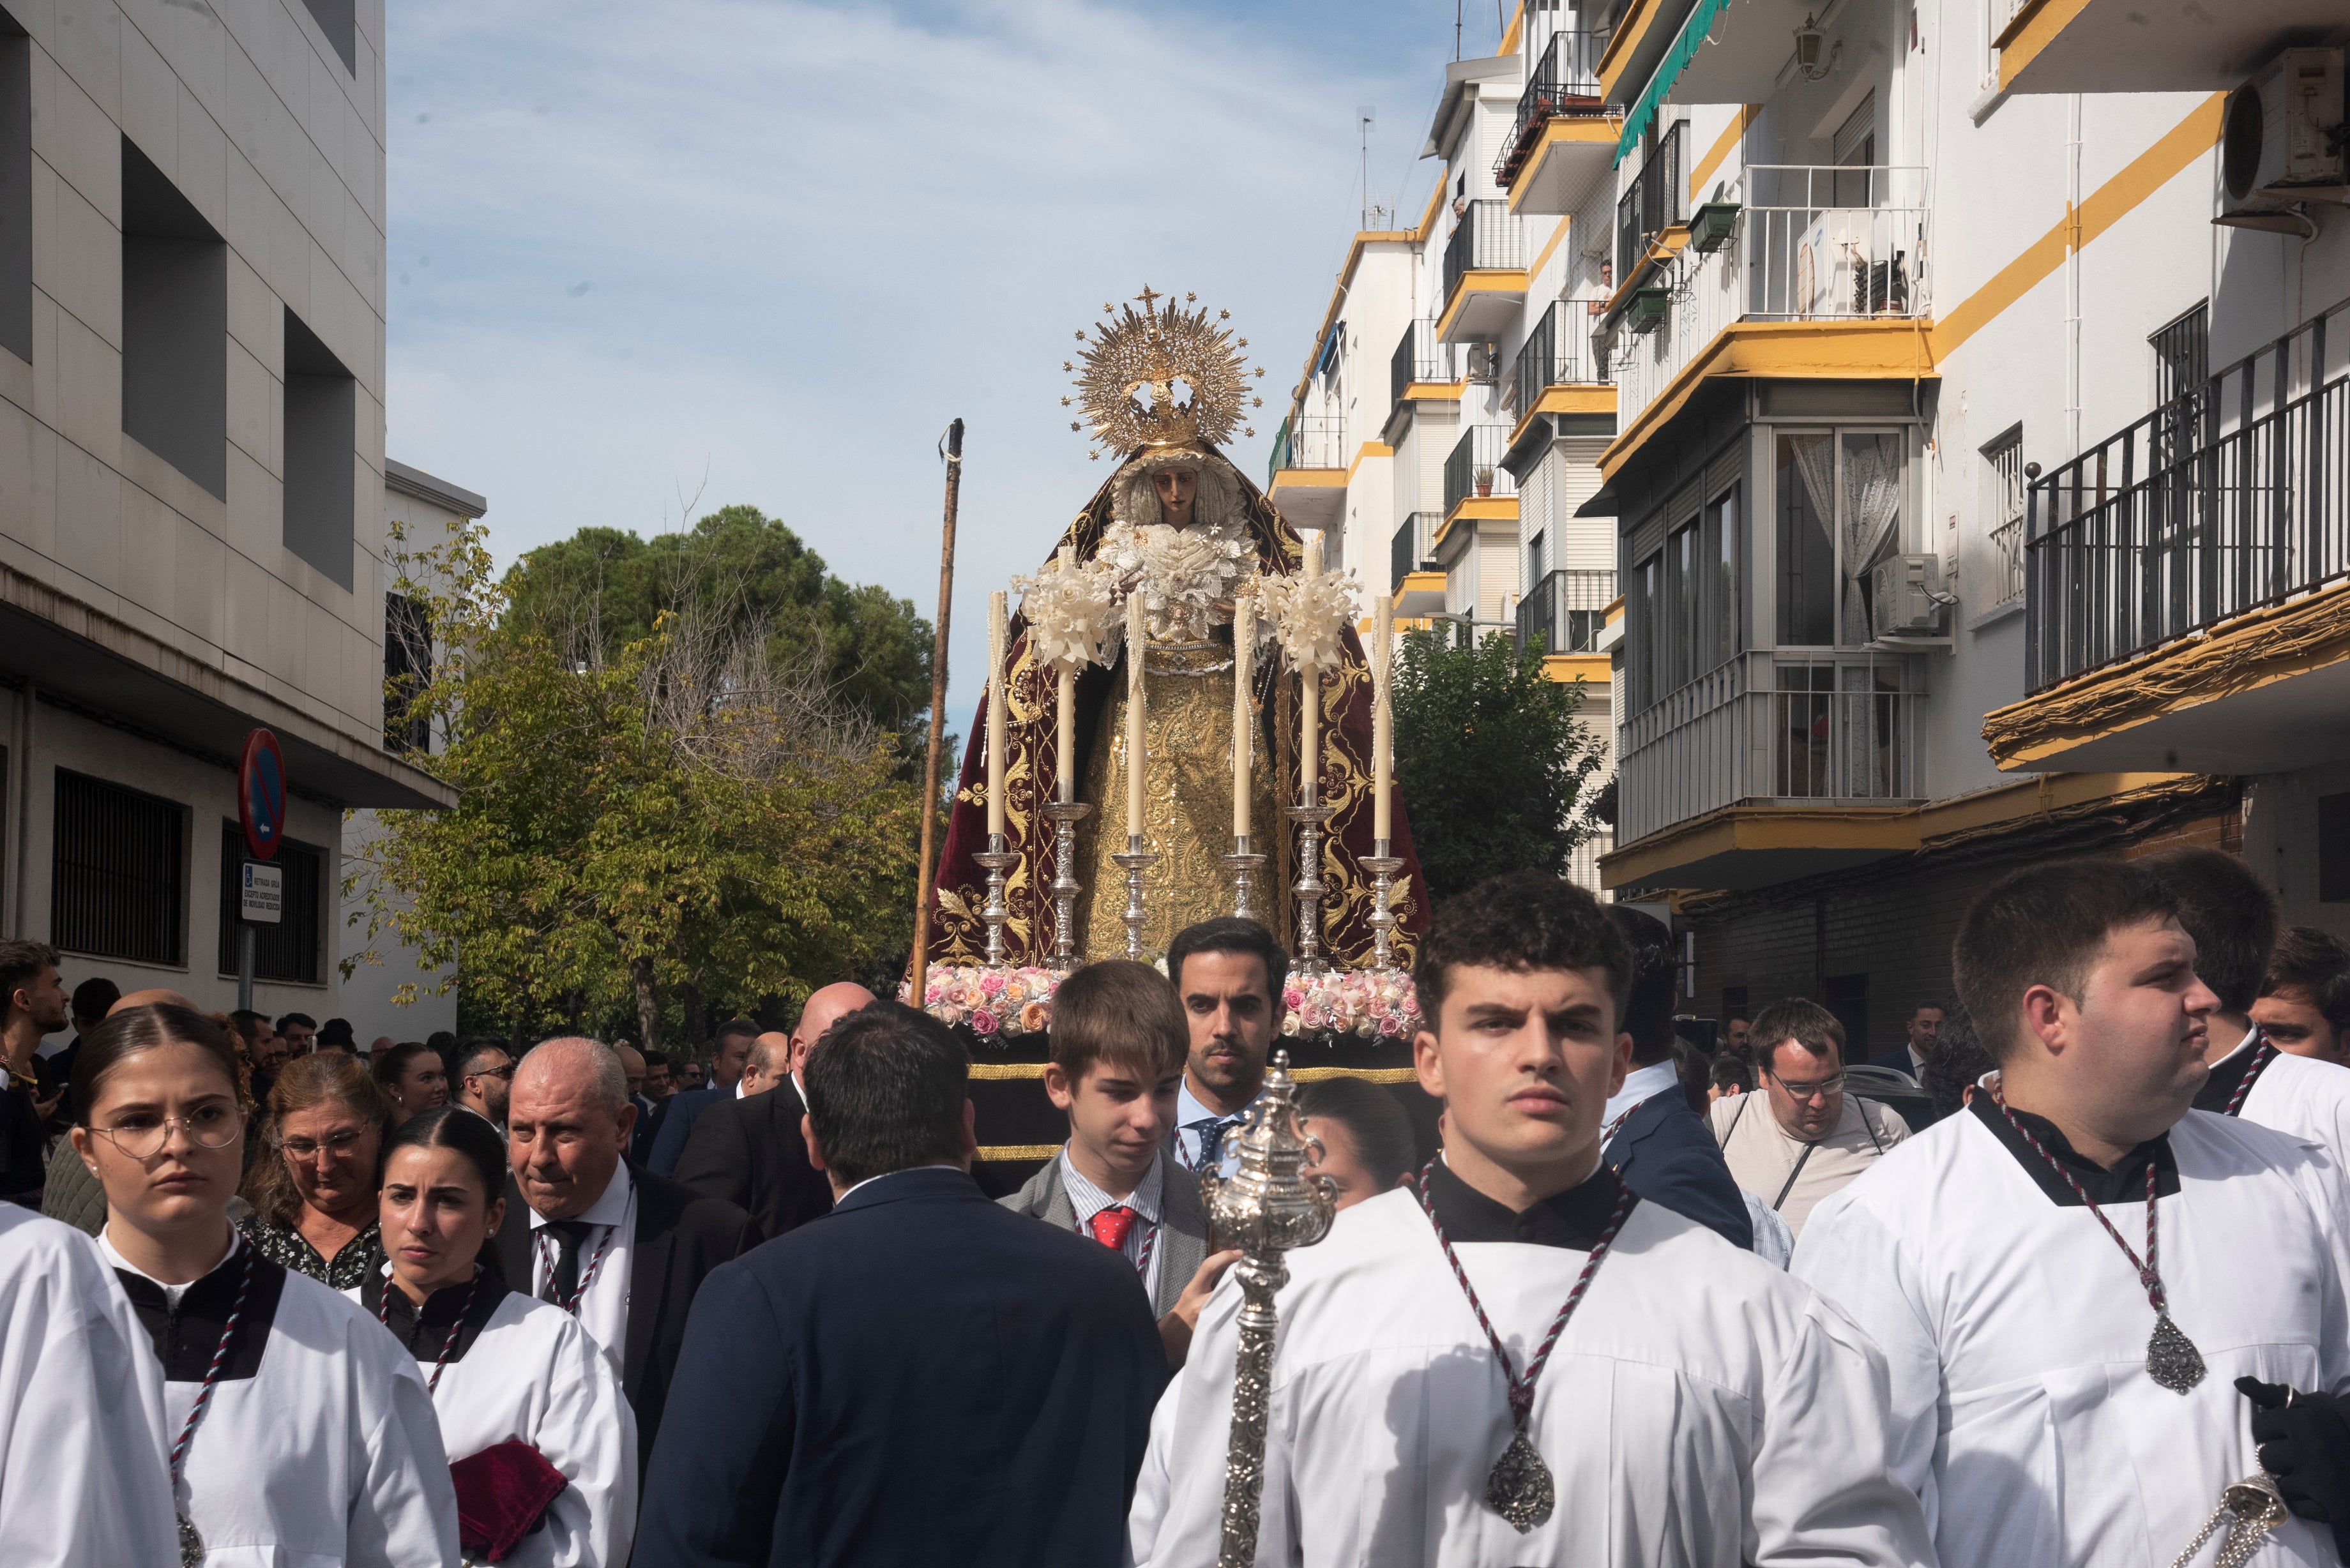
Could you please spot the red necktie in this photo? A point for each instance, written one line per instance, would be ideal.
(1111, 1225)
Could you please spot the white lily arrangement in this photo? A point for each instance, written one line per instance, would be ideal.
(1309, 615)
(1072, 612)
(1183, 574)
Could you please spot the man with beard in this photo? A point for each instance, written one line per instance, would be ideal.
(1228, 973)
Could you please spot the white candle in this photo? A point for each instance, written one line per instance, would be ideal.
(1065, 751)
(996, 622)
(1309, 718)
(1244, 677)
(1382, 718)
(1136, 748)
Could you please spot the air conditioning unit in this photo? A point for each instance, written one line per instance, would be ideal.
(1906, 598)
(1484, 362)
(2282, 138)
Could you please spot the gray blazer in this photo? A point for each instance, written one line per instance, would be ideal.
(1183, 1233)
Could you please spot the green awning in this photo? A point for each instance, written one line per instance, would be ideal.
(1691, 39)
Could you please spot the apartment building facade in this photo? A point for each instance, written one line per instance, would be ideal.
(192, 476)
(1981, 484)
(1448, 420)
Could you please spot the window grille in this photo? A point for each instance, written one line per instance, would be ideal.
(117, 872)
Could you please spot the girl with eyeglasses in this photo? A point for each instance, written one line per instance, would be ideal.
(294, 1430)
(313, 1191)
(542, 1443)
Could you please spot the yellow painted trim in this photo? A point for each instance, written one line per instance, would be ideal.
(1666, 244)
(1732, 135)
(1363, 238)
(1308, 479)
(1428, 219)
(2251, 651)
(1510, 39)
(2171, 155)
(1475, 509)
(2030, 31)
(1550, 248)
(1570, 399)
(1628, 33)
(1567, 669)
(1894, 829)
(1502, 280)
(1435, 391)
(1422, 583)
(1828, 350)
(1370, 449)
(1588, 130)
(1614, 610)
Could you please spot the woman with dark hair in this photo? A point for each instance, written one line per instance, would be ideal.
(1366, 1142)
(541, 1441)
(413, 1075)
(296, 1431)
(313, 1190)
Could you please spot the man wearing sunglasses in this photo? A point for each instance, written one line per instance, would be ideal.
(1813, 1139)
(484, 1078)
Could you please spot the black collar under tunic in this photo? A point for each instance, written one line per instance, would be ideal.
(1574, 1219)
(425, 1332)
(2125, 1183)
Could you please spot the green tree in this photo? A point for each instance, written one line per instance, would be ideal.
(1491, 761)
(680, 827)
(748, 570)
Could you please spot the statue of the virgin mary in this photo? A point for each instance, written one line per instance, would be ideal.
(1179, 525)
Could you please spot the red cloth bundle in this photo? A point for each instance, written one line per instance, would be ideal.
(501, 1493)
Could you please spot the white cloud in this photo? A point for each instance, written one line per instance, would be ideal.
(782, 244)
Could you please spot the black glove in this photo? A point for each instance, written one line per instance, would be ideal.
(2305, 1446)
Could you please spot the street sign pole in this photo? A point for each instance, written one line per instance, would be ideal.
(260, 810)
(244, 966)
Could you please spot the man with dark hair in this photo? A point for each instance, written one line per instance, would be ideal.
(335, 1035)
(922, 1377)
(2068, 1277)
(749, 1150)
(262, 1050)
(1688, 1403)
(1651, 1137)
(1924, 1029)
(300, 1033)
(2231, 919)
(482, 1070)
(1738, 1036)
(2304, 1003)
(91, 1000)
(1803, 1137)
(729, 1056)
(1230, 974)
(32, 1007)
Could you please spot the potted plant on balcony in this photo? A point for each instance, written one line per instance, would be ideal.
(1647, 308)
(1484, 479)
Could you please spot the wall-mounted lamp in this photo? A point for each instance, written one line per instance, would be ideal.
(1810, 43)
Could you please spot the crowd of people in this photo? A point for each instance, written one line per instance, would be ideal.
(2034, 1287)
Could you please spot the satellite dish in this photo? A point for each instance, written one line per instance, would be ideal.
(2243, 125)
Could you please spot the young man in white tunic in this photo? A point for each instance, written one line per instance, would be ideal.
(83, 1478)
(2069, 1277)
(295, 1429)
(507, 1373)
(1646, 1392)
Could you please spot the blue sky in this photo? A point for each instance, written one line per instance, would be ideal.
(762, 251)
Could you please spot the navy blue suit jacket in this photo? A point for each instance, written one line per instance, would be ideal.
(919, 1376)
(1667, 1156)
(676, 1125)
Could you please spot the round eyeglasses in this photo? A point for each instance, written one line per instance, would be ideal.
(141, 1134)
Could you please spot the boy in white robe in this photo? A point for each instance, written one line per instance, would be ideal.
(83, 1477)
(1697, 1408)
(2053, 1401)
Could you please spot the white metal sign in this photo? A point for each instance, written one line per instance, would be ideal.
(262, 896)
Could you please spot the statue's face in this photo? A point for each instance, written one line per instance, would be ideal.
(1177, 489)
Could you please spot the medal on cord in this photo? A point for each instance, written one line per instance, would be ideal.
(1520, 1488)
(191, 1546)
(2171, 1358)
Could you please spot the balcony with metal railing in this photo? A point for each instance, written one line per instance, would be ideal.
(1423, 358)
(1568, 610)
(1473, 471)
(1557, 353)
(1564, 83)
(1412, 550)
(1484, 271)
(1846, 249)
(1653, 201)
(2234, 497)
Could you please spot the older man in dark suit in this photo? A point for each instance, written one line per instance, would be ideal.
(918, 1377)
(619, 1248)
(749, 1151)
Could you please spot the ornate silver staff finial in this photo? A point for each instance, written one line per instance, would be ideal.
(1268, 1207)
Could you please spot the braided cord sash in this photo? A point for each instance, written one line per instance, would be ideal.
(212, 1372)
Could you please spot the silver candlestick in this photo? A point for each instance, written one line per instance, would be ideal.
(1311, 820)
(1065, 816)
(1136, 861)
(996, 860)
(1243, 867)
(1382, 863)
(1267, 1207)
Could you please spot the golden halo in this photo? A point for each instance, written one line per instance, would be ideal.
(1147, 351)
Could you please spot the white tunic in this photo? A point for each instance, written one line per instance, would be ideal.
(2015, 1332)
(1700, 1408)
(83, 1477)
(2296, 1095)
(532, 1375)
(325, 1453)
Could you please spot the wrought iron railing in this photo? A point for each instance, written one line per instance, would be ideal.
(1653, 203)
(1568, 610)
(1414, 537)
(1316, 442)
(1805, 244)
(1767, 727)
(1486, 237)
(2230, 497)
(1556, 353)
(1475, 468)
(1419, 357)
(1564, 80)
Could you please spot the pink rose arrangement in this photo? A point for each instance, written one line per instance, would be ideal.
(991, 1002)
(1361, 1002)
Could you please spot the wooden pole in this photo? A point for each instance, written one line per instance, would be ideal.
(926, 872)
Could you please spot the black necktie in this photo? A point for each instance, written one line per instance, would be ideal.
(563, 1279)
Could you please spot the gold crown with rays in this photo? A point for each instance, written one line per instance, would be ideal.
(1127, 381)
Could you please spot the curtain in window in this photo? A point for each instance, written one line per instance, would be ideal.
(1865, 524)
